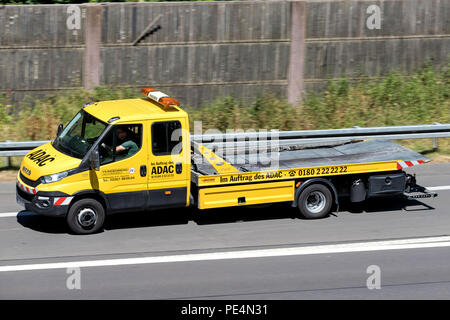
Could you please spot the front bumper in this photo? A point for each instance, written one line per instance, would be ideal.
(54, 204)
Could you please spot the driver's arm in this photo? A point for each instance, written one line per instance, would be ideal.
(128, 146)
(120, 148)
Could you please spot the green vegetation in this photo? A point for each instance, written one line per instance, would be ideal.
(421, 98)
(38, 119)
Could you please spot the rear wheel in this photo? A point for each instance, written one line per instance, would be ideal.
(315, 201)
(86, 216)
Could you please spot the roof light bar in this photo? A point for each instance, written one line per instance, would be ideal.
(160, 97)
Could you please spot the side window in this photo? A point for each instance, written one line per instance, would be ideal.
(165, 136)
(120, 143)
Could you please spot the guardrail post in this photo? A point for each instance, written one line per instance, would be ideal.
(7, 159)
(435, 142)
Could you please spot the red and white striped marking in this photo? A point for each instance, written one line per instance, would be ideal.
(62, 201)
(27, 189)
(407, 164)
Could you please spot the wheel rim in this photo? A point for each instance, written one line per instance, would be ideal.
(87, 217)
(316, 202)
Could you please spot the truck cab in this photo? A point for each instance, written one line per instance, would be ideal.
(113, 156)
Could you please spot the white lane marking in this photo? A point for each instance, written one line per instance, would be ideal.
(15, 214)
(8, 214)
(418, 243)
(438, 188)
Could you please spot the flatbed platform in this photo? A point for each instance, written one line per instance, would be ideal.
(298, 161)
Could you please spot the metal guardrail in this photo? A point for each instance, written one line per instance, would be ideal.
(434, 131)
(15, 149)
(310, 137)
(437, 130)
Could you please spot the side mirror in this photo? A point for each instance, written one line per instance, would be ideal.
(94, 160)
(60, 129)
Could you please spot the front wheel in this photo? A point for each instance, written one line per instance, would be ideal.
(315, 201)
(86, 216)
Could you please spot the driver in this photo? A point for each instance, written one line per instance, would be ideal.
(126, 147)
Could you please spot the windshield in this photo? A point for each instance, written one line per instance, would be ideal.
(79, 135)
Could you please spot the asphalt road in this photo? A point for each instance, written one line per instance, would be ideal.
(199, 238)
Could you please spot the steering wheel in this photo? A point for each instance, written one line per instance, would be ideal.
(105, 149)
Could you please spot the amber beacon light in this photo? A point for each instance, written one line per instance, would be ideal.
(160, 97)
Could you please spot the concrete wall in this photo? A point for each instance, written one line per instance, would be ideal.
(339, 43)
(205, 50)
(38, 54)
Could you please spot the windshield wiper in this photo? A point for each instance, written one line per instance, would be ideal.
(65, 150)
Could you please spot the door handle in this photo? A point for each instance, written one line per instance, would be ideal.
(179, 168)
(143, 170)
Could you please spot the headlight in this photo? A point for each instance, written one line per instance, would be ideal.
(54, 177)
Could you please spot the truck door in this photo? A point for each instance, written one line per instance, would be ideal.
(169, 164)
(123, 176)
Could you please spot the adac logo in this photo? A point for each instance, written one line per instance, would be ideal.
(40, 157)
(162, 169)
(26, 170)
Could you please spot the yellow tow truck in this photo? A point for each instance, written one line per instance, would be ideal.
(137, 155)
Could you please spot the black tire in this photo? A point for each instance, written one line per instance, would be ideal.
(86, 216)
(315, 201)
